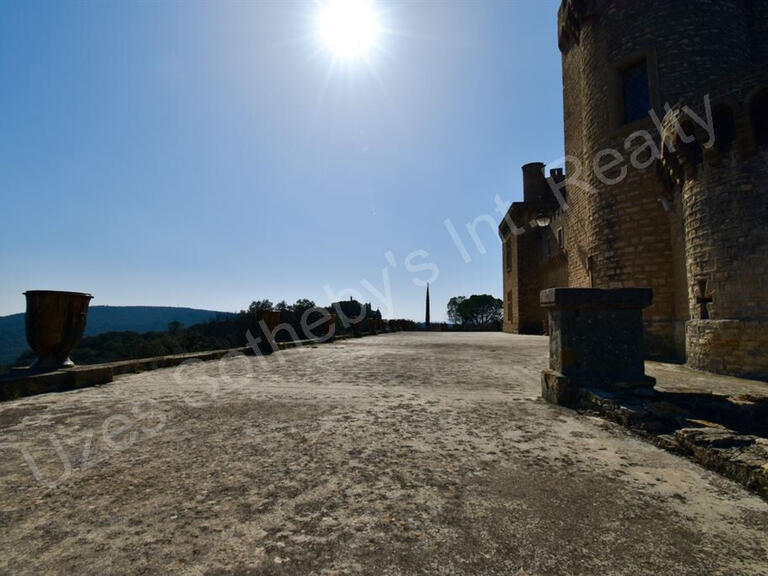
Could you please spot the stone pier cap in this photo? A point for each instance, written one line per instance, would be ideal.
(621, 298)
(595, 341)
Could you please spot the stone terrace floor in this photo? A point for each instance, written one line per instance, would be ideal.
(406, 453)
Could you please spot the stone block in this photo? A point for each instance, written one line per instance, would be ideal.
(596, 339)
(26, 382)
(558, 389)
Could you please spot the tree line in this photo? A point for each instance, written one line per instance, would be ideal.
(221, 332)
(477, 312)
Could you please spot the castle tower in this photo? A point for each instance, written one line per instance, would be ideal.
(532, 235)
(426, 321)
(694, 234)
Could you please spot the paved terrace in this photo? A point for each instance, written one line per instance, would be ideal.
(404, 453)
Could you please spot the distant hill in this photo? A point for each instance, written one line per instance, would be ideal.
(13, 340)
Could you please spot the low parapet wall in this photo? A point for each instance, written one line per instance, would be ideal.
(23, 382)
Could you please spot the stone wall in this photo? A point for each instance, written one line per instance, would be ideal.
(728, 346)
(619, 232)
(579, 223)
(726, 211)
(627, 230)
(724, 199)
(667, 215)
(533, 259)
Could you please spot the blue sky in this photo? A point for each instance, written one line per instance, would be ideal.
(208, 154)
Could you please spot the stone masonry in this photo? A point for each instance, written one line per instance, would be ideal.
(654, 198)
(596, 340)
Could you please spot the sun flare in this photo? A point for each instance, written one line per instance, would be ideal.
(349, 29)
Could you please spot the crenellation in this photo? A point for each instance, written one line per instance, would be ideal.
(697, 211)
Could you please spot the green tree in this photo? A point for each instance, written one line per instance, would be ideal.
(259, 306)
(300, 306)
(454, 312)
(477, 311)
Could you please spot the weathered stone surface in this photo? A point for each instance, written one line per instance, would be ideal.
(581, 298)
(26, 382)
(728, 346)
(415, 453)
(706, 419)
(596, 336)
(533, 258)
(20, 383)
(559, 389)
(685, 218)
(741, 457)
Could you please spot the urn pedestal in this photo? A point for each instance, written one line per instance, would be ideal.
(55, 322)
(595, 341)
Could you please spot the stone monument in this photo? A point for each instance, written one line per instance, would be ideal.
(596, 341)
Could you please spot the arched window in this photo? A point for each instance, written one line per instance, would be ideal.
(725, 128)
(758, 115)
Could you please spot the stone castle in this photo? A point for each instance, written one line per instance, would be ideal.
(666, 178)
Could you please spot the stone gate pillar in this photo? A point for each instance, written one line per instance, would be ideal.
(595, 341)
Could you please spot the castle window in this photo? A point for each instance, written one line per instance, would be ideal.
(508, 254)
(561, 238)
(635, 93)
(758, 115)
(725, 128)
(509, 306)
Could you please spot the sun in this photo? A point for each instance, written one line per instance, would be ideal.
(349, 29)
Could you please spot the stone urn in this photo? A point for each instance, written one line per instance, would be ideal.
(330, 327)
(55, 322)
(271, 319)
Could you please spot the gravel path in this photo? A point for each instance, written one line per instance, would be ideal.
(405, 453)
